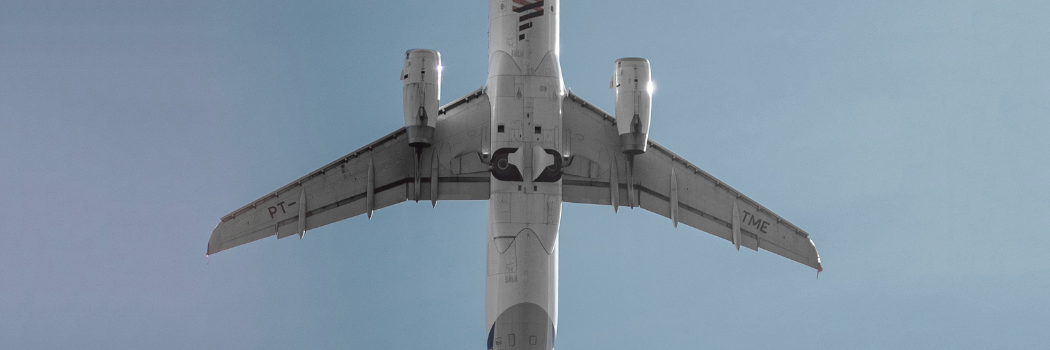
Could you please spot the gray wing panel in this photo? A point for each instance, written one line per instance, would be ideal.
(599, 174)
(593, 144)
(378, 175)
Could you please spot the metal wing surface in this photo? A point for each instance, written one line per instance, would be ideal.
(378, 175)
(666, 184)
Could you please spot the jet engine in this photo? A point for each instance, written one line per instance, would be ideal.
(422, 81)
(634, 95)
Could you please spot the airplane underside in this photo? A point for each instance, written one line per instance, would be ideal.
(525, 144)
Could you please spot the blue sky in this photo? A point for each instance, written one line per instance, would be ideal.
(910, 138)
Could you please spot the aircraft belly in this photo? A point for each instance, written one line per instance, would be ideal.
(522, 277)
(525, 92)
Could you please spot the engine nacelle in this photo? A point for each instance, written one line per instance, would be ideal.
(422, 81)
(634, 96)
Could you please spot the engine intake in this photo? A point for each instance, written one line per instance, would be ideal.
(633, 83)
(422, 81)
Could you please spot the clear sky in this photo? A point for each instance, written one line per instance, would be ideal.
(911, 139)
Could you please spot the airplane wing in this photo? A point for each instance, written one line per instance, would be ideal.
(378, 175)
(666, 184)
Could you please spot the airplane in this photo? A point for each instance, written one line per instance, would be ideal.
(526, 144)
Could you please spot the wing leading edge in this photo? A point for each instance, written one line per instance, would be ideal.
(664, 183)
(378, 175)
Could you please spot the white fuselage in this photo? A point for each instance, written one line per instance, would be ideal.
(525, 90)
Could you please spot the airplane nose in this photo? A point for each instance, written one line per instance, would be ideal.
(525, 326)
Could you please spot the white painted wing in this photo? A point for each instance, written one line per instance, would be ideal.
(373, 177)
(598, 174)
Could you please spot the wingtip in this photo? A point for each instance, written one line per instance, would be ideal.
(213, 241)
(207, 254)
